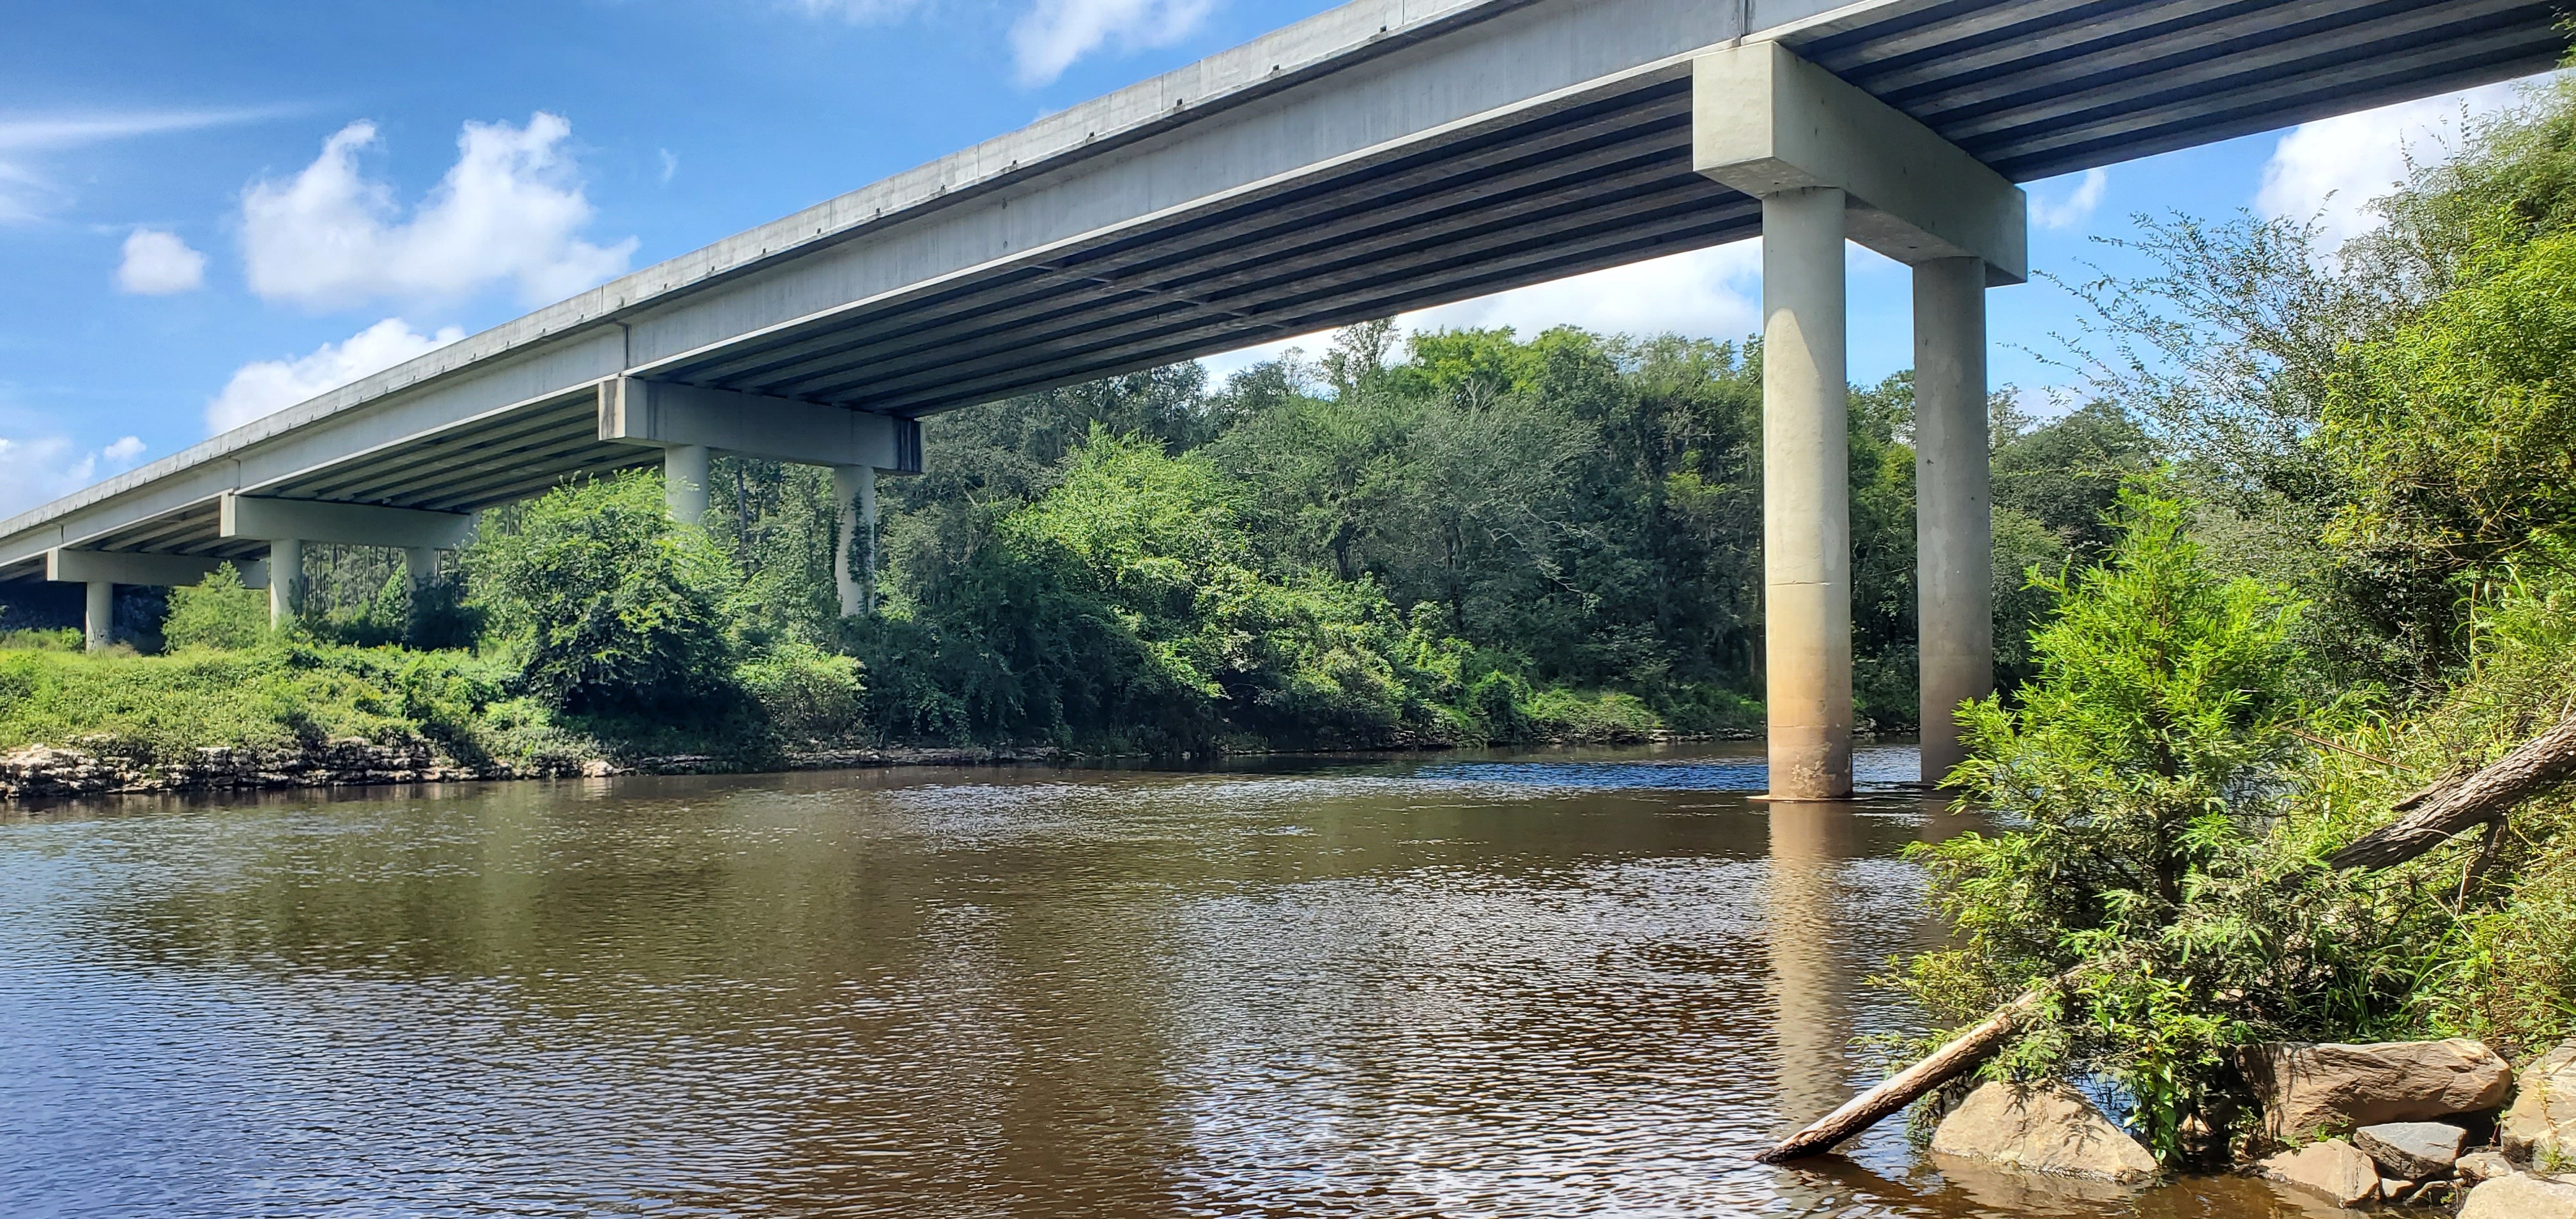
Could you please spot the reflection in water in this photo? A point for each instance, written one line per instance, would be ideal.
(1579, 983)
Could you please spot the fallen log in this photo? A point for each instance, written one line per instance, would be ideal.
(1961, 1055)
(2437, 815)
(2433, 816)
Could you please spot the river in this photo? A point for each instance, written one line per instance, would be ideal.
(1565, 983)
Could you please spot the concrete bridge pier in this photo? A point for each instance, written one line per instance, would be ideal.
(1829, 162)
(102, 570)
(687, 422)
(684, 482)
(854, 559)
(1953, 503)
(288, 524)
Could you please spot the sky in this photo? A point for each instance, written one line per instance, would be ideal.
(209, 212)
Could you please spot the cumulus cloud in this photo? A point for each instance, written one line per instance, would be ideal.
(158, 263)
(510, 209)
(1050, 37)
(264, 387)
(2076, 208)
(37, 468)
(2331, 169)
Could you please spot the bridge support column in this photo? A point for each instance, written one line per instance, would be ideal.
(854, 560)
(684, 482)
(98, 619)
(1829, 161)
(285, 580)
(1806, 496)
(1953, 503)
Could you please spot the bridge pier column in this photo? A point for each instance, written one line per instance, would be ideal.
(98, 620)
(1806, 496)
(1831, 162)
(1953, 503)
(285, 580)
(684, 483)
(854, 560)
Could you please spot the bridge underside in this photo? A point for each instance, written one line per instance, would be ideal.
(1593, 178)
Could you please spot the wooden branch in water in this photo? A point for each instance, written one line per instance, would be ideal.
(1963, 1054)
(2437, 815)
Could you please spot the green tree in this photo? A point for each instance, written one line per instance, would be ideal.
(608, 607)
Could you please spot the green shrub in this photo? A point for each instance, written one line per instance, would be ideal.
(1570, 718)
(217, 613)
(609, 608)
(63, 639)
(807, 693)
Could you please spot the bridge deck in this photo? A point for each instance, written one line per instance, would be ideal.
(1385, 155)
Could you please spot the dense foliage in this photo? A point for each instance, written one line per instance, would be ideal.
(2361, 541)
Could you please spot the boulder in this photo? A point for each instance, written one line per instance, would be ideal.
(2541, 1126)
(2483, 1166)
(2413, 1150)
(2521, 1197)
(2047, 1128)
(2334, 1170)
(2311, 1089)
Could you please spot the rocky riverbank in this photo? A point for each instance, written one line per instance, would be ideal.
(44, 772)
(2423, 1124)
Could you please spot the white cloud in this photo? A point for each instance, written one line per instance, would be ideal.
(34, 469)
(157, 263)
(1051, 36)
(26, 194)
(1712, 293)
(670, 165)
(2331, 169)
(265, 387)
(2076, 208)
(508, 210)
(1715, 293)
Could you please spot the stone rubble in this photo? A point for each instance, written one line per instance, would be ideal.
(2413, 1150)
(2308, 1089)
(2334, 1170)
(2541, 1126)
(2521, 1196)
(2050, 1128)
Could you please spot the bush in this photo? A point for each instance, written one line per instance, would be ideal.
(608, 607)
(63, 639)
(217, 613)
(807, 693)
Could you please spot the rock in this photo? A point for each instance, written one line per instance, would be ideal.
(2334, 1170)
(2541, 1126)
(2050, 1128)
(2312, 1089)
(2414, 1150)
(2521, 1197)
(2483, 1166)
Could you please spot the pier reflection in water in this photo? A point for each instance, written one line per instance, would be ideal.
(1561, 984)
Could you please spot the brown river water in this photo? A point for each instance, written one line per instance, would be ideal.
(1565, 983)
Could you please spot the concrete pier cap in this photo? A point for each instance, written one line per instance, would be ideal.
(1829, 162)
(689, 422)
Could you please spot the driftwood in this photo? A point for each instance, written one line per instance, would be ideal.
(2433, 816)
(1961, 1055)
(2437, 814)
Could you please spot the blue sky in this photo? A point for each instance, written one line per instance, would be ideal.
(210, 211)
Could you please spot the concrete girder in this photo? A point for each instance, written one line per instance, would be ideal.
(663, 415)
(268, 520)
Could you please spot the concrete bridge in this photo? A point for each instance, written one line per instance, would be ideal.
(1382, 156)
